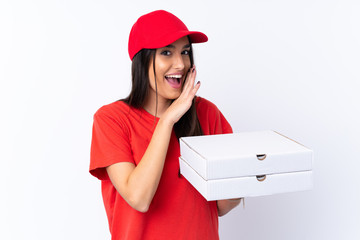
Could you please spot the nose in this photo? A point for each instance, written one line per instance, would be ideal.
(178, 62)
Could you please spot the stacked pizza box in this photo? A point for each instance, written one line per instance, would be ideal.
(245, 164)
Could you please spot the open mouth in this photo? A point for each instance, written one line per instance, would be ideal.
(174, 80)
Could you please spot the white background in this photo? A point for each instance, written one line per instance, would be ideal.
(290, 66)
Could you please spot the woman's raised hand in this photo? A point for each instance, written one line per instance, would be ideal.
(182, 104)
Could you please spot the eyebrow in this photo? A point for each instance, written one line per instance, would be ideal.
(172, 46)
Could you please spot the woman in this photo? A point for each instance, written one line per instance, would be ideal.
(135, 146)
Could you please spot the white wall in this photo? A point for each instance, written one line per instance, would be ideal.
(290, 66)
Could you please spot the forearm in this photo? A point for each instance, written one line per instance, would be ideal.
(144, 179)
(138, 184)
(225, 206)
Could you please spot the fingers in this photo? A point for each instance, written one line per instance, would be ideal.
(196, 88)
(189, 83)
(193, 88)
(182, 104)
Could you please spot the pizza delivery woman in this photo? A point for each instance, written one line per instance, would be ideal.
(135, 142)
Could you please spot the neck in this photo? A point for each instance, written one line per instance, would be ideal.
(150, 105)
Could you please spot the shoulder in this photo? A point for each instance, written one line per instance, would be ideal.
(113, 108)
(114, 114)
(116, 111)
(211, 119)
(205, 107)
(203, 102)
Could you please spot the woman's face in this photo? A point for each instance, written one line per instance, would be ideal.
(171, 65)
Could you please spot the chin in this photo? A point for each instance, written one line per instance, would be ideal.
(174, 95)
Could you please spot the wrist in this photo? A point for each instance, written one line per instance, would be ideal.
(166, 122)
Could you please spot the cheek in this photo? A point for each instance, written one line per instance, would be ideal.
(187, 63)
(161, 68)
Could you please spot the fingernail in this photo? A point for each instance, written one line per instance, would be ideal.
(193, 69)
(198, 82)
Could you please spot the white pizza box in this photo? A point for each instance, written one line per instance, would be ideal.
(248, 186)
(244, 154)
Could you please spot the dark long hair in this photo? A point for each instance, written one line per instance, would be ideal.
(188, 125)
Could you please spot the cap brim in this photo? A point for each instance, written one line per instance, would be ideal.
(197, 37)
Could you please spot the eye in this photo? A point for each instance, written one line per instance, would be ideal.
(186, 52)
(165, 53)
